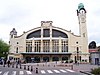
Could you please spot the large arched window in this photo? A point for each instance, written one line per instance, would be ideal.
(57, 33)
(46, 33)
(34, 34)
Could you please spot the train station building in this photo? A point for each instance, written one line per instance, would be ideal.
(50, 43)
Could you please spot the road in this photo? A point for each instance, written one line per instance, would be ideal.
(41, 71)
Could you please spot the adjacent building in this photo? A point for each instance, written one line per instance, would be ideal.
(51, 43)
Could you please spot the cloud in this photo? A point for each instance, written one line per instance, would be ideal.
(27, 14)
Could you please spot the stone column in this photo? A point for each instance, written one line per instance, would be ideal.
(41, 39)
(60, 45)
(50, 38)
(33, 45)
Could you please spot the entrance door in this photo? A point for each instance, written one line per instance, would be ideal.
(37, 59)
(46, 59)
(28, 59)
(64, 58)
(55, 59)
(96, 61)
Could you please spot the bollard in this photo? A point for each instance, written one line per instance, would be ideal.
(16, 66)
(28, 68)
(20, 66)
(12, 65)
(24, 67)
(43, 64)
(54, 65)
(48, 65)
(72, 67)
(37, 64)
(4, 65)
(31, 68)
(36, 70)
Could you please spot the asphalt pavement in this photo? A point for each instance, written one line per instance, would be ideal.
(42, 70)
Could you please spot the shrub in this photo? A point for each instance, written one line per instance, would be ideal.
(71, 61)
(96, 71)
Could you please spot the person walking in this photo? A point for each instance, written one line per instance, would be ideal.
(8, 63)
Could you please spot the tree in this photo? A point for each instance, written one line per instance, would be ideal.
(4, 48)
(92, 45)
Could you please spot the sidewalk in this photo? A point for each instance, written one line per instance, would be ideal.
(84, 67)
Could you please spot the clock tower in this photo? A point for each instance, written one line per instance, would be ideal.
(81, 13)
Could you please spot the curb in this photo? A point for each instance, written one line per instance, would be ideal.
(86, 72)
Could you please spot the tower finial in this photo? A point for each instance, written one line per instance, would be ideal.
(80, 6)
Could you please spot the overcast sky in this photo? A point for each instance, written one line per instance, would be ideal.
(27, 14)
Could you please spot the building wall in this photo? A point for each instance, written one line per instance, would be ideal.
(74, 41)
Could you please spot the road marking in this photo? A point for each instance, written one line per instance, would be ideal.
(43, 72)
(63, 71)
(21, 72)
(70, 70)
(0, 72)
(56, 71)
(49, 71)
(6, 73)
(28, 72)
(14, 73)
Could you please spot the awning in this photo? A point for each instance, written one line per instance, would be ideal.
(46, 53)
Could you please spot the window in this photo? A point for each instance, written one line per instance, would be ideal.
(83, 34)
(34, 34)
(76, 42)
(55, 45)
(46, 33)
(17, 42)
(56, 33)
(64, 46)
(46, 46)
(17, 50)
(77, 49)
(37, 46)
(29, 46)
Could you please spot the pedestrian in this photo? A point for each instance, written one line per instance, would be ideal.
(12, 62)
(78, 62)
(8, 63)
(4, 62)
(18, 62)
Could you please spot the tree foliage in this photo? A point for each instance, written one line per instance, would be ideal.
(96, 71)
(92, 45)
(4, 48)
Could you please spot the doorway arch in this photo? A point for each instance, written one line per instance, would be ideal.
(55, 59)
(46, 59)
(37, 59)
(64, 58)
(28, 59)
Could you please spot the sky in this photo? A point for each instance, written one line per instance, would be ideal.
(24, 15)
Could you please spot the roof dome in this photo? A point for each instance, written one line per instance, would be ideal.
(81, 5)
